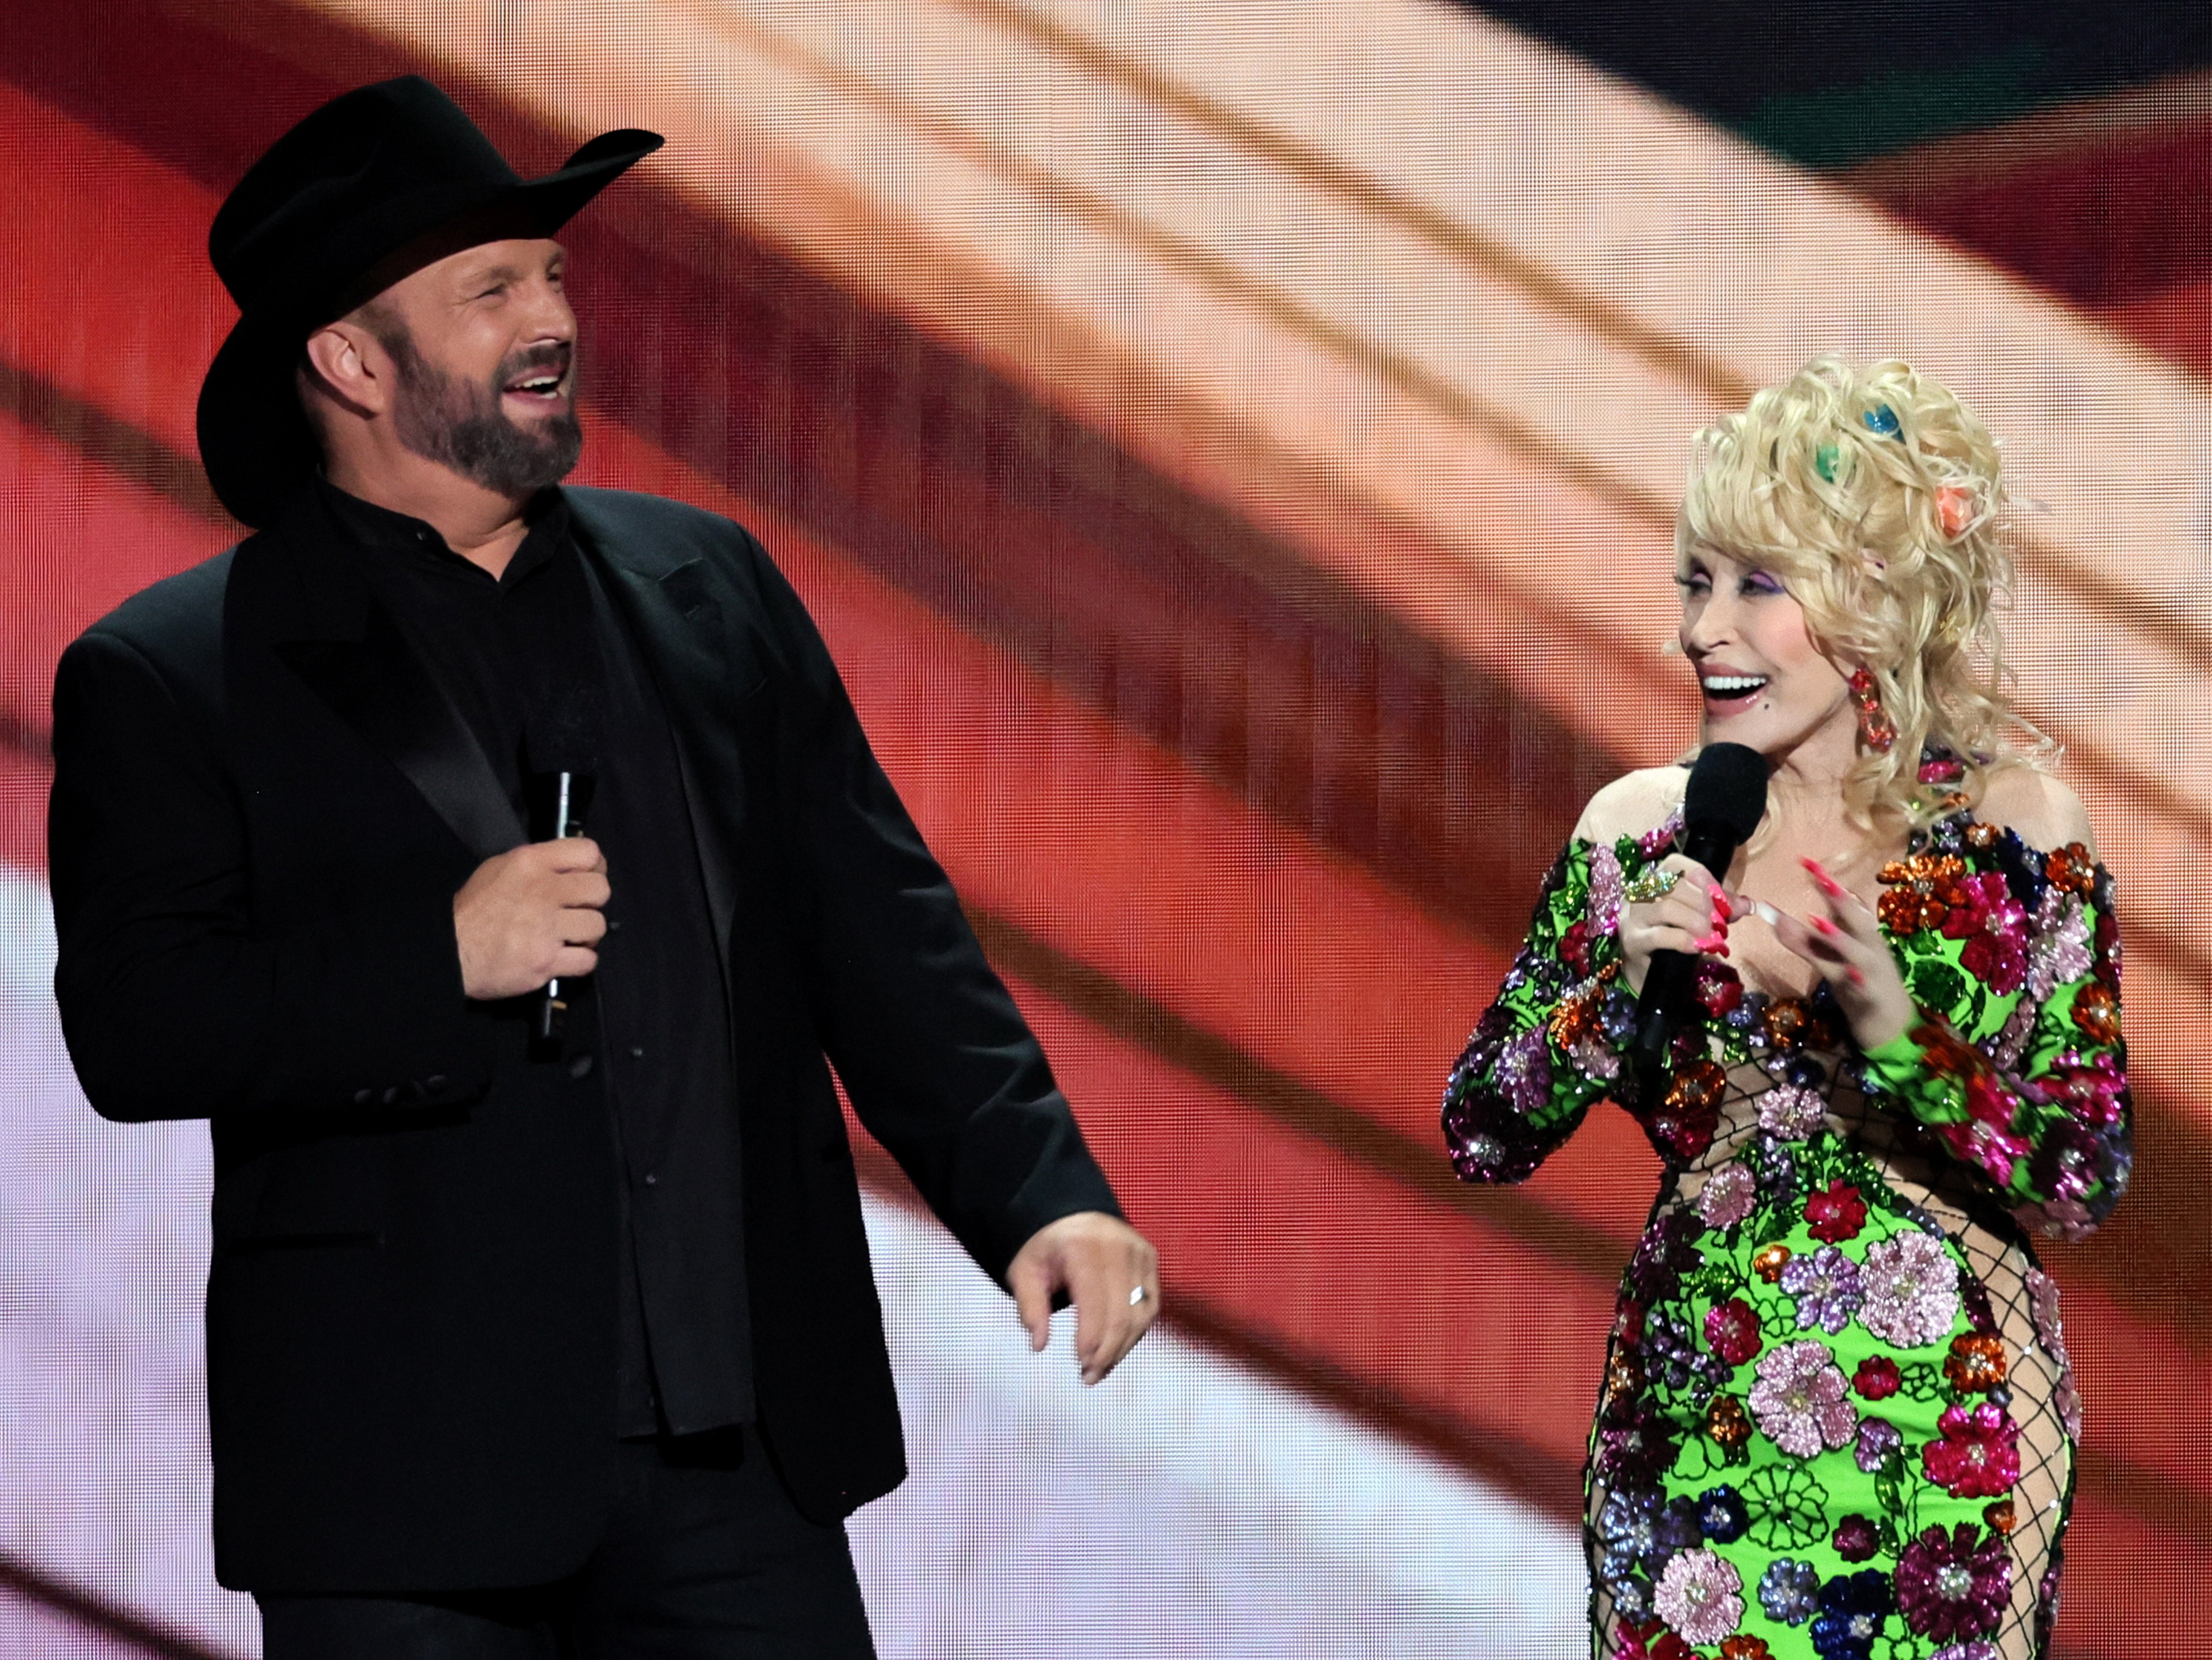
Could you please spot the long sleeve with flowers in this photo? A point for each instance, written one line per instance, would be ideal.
(1553, 1042)
(2016, 1063)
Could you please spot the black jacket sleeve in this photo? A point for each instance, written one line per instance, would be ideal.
(938, 1062)
(174, 1003)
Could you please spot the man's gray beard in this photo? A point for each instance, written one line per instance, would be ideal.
(459, 424)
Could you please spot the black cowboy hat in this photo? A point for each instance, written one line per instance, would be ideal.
(377, 183)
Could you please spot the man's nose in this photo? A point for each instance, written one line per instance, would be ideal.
(550, 318)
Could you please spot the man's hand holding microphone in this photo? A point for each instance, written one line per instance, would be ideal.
(532, 915)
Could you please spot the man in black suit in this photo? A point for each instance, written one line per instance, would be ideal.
(540, 1321)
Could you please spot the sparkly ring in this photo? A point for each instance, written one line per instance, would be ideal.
(1136, 1295)
(1646, 885)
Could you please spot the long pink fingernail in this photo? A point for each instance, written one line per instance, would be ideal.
(1857, 978)
(1822, 925)
(1829, 885)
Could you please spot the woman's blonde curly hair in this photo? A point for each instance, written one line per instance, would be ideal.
(1877, 499)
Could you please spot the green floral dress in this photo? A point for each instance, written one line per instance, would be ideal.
(1837, 1418)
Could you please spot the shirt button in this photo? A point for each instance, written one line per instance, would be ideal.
(580, 1067)
(652, 1179)
(636, 1053)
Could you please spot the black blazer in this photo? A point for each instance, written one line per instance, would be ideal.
(262, 809)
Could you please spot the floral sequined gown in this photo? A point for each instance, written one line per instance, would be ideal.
(1837, 1418)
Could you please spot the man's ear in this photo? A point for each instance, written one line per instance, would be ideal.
(346, 364)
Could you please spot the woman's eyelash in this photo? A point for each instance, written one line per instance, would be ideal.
(1759, 582)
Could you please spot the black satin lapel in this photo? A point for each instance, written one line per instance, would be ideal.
(379, 687)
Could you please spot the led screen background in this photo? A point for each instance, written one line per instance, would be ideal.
(1231, 451)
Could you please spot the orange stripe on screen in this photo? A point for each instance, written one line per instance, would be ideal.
(108, 291)
(76, 539)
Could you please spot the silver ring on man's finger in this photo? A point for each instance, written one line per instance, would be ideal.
(1136, 1295)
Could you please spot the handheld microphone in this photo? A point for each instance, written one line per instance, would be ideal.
(1721, 806)
(562, 758)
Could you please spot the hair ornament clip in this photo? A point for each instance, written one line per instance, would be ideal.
(1956, 508)
(1882, 421)
(1825, 460)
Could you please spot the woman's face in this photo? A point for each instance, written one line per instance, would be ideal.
(1764, 683)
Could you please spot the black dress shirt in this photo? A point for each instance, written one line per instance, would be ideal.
(539, 646)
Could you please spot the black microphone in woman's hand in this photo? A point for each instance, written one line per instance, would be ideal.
(1722, 805)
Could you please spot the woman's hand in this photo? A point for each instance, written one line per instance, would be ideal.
(1844, 941)
(1692, 917)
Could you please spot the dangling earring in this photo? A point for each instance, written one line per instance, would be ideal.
(1876, 730)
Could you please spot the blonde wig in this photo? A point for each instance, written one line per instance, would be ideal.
(1875, 498)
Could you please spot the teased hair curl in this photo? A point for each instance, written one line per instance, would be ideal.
(1876, 498)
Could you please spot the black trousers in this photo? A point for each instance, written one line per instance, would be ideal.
(704, 1555)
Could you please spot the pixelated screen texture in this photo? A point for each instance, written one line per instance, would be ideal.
(1232, 451)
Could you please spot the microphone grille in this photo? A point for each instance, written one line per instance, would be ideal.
(1727, 791)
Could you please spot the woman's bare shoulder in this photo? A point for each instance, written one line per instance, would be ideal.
(1633, 804)
(2043, 809)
